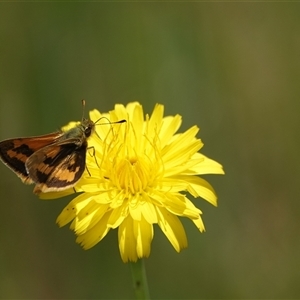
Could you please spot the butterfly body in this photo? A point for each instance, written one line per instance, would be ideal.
(53, 162)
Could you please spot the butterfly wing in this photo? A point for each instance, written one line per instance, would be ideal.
(57, 167)
(15, 152)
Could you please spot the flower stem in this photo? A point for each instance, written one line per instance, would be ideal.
(139, 279)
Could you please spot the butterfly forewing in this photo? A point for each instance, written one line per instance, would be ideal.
(15, 152)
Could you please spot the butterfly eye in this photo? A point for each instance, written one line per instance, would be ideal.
(88, 131)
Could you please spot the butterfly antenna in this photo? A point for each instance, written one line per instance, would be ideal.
(83, 108)
(109, 122)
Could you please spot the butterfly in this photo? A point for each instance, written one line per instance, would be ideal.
(53, 162)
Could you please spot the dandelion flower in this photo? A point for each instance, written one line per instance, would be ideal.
(138, 174)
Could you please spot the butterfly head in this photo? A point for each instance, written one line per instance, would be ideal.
(88, 127)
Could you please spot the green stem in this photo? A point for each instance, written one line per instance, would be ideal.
(140, 279)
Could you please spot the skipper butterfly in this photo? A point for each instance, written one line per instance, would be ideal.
(53, 162)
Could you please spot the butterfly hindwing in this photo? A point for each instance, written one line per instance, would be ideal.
(58, 166)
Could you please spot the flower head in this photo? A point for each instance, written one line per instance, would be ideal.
(136, 176)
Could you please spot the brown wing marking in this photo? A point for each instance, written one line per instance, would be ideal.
(15, 152)
(57, 167)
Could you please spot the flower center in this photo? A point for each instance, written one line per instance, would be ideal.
(132, 175)
(131, 161)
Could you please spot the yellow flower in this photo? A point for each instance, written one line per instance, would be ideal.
(137, 175)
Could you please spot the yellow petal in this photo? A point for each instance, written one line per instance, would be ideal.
(143, 232)
(199, 224)
(169, 127)
(89, 217)
(71, 210)
(117, 216)
(172, 228)
(95, 235)
(127, 241)
(206, 165)
(176, 203)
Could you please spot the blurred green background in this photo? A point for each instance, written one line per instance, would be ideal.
(230, 68)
